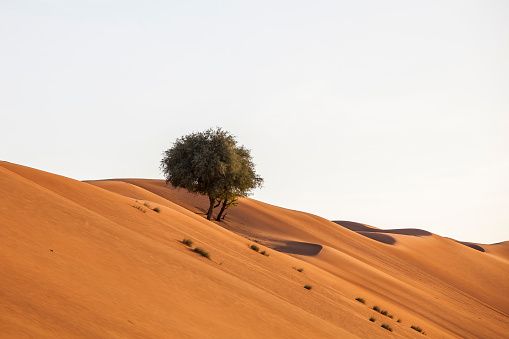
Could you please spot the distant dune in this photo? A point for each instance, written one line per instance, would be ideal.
(95, 259)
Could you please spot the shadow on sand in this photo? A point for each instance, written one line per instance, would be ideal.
(297, 247)
(381, 235)
(471, 245)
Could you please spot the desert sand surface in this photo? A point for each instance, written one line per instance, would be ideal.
(95, 260)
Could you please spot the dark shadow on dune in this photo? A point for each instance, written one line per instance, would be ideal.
(381, 237)
(353, 226)
(471, 245)
(415, 232)
(297, 247)
(356, 227)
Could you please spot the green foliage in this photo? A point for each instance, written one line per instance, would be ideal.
(376, 308)
(384, 312)
(372, 319)
(417, 328)
(255, 248)
(264, 253)
(202, 252)
(187, 242)
(239, 180)
(211, 163)
(387, 327)
(308, 287)
(360, 300)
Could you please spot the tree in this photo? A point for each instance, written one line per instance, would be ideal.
(212, 164)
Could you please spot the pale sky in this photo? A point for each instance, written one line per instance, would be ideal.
(390, 113)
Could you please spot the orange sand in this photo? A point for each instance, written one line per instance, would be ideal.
(81, 260)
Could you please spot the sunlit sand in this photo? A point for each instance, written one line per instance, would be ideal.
(95, 259)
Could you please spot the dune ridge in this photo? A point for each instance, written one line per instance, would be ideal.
(93, 259)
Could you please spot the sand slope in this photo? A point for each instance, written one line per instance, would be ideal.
(92, 260)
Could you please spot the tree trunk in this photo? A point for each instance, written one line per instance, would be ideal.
(221, 211)
(211, 208)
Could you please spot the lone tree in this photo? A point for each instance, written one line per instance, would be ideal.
(212, 164)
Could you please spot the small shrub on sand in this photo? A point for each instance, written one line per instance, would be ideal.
(417, 328)
(157, 209)
(360, 300)
(298, 269)
(255, 248)
(390, 316)
(140, 208)
(384, 312)
(308, 287)
(146, 204)
(387, 327)
(187, 242)
(399, 320)
(372, 319)
(202, 252)
(376, 308)
(264, 253)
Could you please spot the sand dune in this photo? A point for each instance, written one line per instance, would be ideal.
(95, 260)
(500, 250)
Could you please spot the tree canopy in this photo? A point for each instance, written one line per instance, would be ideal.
(211, 163)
